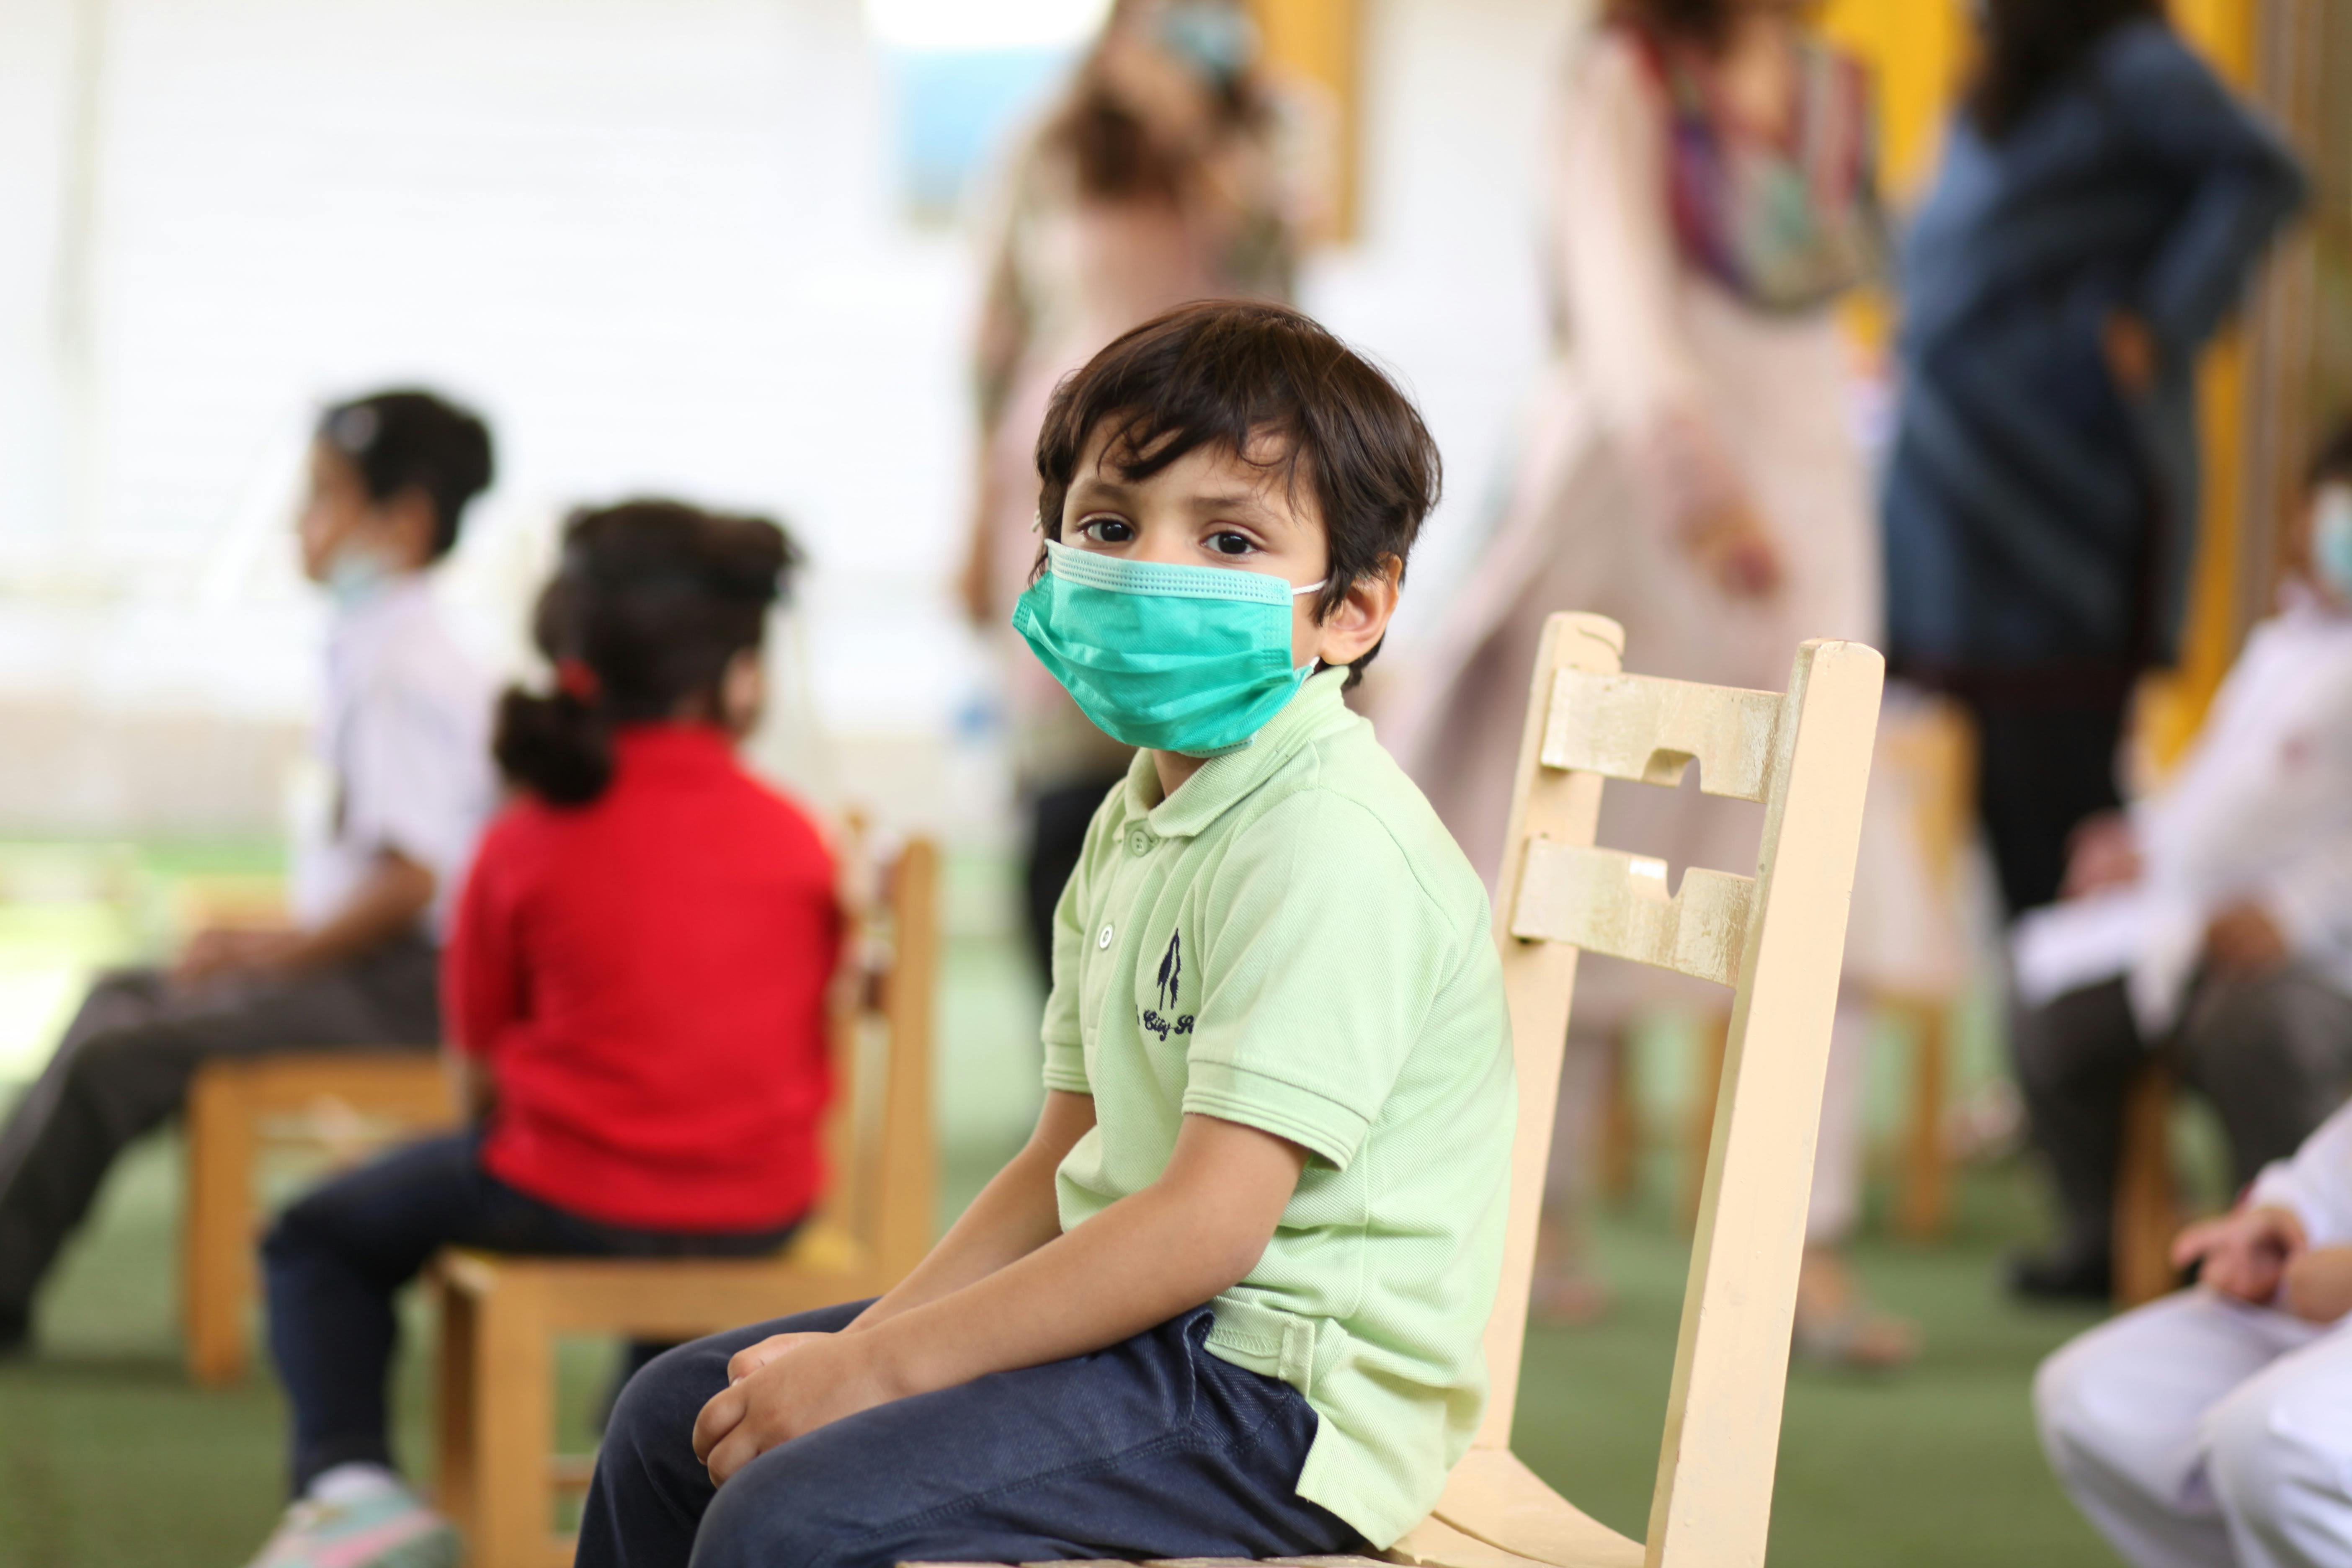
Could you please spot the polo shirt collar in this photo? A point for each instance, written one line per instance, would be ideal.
(1315, 711)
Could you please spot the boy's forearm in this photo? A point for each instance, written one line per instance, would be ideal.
(1015, 1214)
(391, 900)
(1012, 1217)
(1134, 1266)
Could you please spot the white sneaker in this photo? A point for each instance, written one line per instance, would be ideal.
(390, 1527)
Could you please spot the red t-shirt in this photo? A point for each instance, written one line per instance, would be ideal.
(645, 976)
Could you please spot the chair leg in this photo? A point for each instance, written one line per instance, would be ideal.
(2147, 1211)
(454, 1416)
(217, 1238)
(1924, 1207)
(512, 1495)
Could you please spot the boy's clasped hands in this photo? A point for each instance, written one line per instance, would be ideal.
(2260, 1255)
(786, 1385)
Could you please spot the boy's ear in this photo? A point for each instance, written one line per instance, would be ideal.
(413, 525)
(1354, 626)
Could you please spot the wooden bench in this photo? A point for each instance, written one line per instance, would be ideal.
(348, 1103)
(1777, 939)
(499, 1476)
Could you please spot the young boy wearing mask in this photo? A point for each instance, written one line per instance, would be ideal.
(1228, 1301)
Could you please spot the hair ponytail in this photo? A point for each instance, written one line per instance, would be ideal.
(653, 601)
(557, 746)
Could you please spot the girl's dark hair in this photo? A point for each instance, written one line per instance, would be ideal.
(1706, 23)
(652, 601)
(414, 440)
(1268, 383)
(2030, 46)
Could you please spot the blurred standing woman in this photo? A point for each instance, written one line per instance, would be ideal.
(1160, 177)
(2102, 202)
(1687, 469)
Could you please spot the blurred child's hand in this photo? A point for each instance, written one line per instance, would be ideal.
(2245, 940)
(1732, 545)
(809, 1381)
(2103, 853)
(2318, 1287)
(2246, 1252)
(223, 950)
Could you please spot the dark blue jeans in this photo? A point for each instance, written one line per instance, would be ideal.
(1151, 1448)
(335, 1260)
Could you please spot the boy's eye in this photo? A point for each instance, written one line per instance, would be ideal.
(1108, 530)
(1227, 542)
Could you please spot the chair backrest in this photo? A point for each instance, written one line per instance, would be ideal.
(1776, 939)
(883, 1185)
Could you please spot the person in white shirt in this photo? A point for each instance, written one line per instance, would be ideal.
(2214, 1428)
(406, 740)
(2212, 923)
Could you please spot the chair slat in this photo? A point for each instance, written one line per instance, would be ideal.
(1604, 901)
(1643, 729)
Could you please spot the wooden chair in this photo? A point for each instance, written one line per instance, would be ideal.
(1777, 940)
(500, 1316)
(2147, 1202)
(348, 1103)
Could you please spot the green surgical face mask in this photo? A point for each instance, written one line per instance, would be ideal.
(1177, 658)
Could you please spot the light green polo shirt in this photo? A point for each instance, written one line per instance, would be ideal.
(1294, 941)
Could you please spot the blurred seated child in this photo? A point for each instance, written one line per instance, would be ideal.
(405, 741)
(636, 987)
(1230, 1299)
(2215, 1426)
(2213, 924)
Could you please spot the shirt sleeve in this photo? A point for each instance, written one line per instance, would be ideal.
(2246, 182)
(1320, 958)
(415, 779)
(482, 990)
(2315, 1184)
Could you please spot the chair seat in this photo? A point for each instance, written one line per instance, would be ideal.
(669, 1297)
(1495, 1513)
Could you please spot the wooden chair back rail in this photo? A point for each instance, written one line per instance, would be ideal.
(500, 1476)
(1643, 730)
(1603, 900)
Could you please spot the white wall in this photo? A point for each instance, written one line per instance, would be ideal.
(655, 241)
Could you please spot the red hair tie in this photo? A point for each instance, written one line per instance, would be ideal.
(576, 680)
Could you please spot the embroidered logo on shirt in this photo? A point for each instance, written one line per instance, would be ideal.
(1172, 978)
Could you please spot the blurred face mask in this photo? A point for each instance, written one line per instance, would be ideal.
(2331, 539)
(354, 574)
(1193, 659)
(1217, 39)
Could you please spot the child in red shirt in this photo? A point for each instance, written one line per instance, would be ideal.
(635, 992)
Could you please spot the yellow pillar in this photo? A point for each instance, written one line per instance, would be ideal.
(1316, 42)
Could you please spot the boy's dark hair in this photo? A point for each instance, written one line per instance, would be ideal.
(1240, 375)
(2333, 461)
(414, 440)
(652, 601)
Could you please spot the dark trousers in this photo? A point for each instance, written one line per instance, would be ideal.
(1058, 833)
(2273, 1054)
(2041, 768)
(334, 1261)
(124, 1066)
(1152, 1448)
